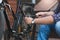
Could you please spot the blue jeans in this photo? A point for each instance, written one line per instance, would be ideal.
(45, 29)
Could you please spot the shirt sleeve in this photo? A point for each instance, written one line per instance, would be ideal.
(56, 17)
(57, 10)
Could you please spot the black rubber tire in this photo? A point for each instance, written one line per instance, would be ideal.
(2, 22)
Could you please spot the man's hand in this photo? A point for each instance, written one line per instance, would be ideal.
(42, 14)
(28, 20)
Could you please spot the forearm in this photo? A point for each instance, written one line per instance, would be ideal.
(44, 20)
(49, 13)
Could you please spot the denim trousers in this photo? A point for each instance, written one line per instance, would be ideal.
(45, 29)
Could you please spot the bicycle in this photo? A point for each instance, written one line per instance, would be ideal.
(4, 19)
(25, 32)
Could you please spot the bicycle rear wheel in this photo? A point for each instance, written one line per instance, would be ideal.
(2, 22)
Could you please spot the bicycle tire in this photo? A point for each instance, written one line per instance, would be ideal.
(2, 22)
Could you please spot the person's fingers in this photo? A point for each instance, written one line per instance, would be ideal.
(37, 14)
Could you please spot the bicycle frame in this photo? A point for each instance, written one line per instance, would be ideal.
(18, 17)
(20, 14)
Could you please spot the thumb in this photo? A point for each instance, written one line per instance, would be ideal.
(37, 14)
